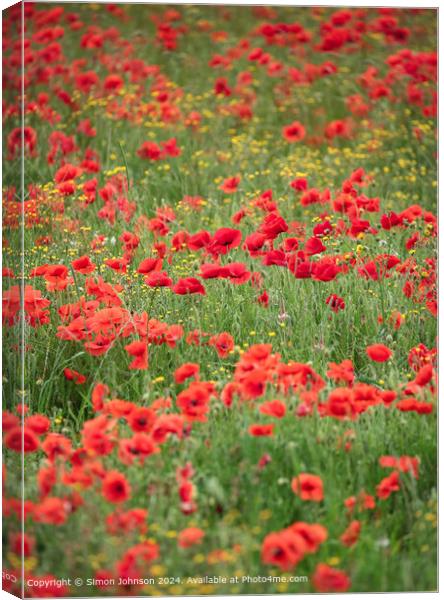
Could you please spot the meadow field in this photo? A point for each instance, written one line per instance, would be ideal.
(225, 312)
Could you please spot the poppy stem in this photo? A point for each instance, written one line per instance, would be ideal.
(126, 166)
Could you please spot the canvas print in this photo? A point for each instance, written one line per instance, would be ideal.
(219, 299)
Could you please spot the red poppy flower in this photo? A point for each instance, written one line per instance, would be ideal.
(274, 408)
(313, 534)
(86, 128)
(284, 549)
(117, 408)
(340, 404)
(406, 464)
(261, 430)
(351, 534)
(308, 487)
(135, 560)
(19, 541)
(150, 151)
(75, 376)
(223, 342)
(167, 425)
(56, 277)
(327, 579)
(86, 80)
(57, 446)
(98, 395)
(413, 405)
(194, 401)
(300, 184)
(338, 128)
(324, 270)
(127, 521)
(9, 421)
(186, 371)
(188, 285)
(141, 418)
(140, 352)
(275, 257)
(140, 446)
(190, 537)
(388, 485)
(83, 265)
(67, 173)
(225, 239)
(238, 273)
(213, 271)
(273, 225)
(255, 242)
(230, 185)
(14, 142)
(158, 279)
(335, 302)
(149, 264)
(295, 132)
(129, 240)
(115, 487)
(52, 511)
(39, 424)
(221, 87)
(409, 464)
(117, 264)
(199, 240)
(379, 352)
(21, 440)
(112, 83)
(263, 298)
(314, 246)
(343, 371)
(170, 148)
(424, 375)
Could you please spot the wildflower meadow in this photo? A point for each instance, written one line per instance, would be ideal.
(219, 299)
